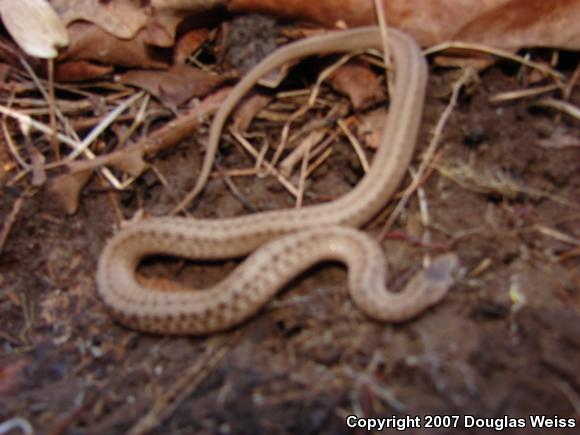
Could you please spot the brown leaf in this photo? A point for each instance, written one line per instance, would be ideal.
(248, 110)
(91, 43)
(359, 83)
(122, 18)
(80, 71)
(513, 24)
(509, 24)
(129, 160)
(120, 32)
(189, 43)
(67, 188)
(160, 30)
(176, 85)
(371, 127)
(327, 12)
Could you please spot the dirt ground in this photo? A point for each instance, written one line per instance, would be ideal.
(504, 342)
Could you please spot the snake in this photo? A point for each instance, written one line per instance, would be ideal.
(280, 245)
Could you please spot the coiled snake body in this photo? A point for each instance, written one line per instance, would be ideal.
(286, 242)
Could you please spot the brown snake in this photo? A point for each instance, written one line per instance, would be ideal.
(286, 242)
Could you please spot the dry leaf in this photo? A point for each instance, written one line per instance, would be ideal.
(248, 110)
(67, 189)
(122, 18)
(176, 85)
(35, 27)
(91, 43)
(80, 71)
(129, 160)
(124, 31)
(371, 127)
(359, 83)
(119, 32)
(509, 24)
(188, 44)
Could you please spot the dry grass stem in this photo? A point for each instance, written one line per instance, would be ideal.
(481, 268)
(272, 116)
(235, 191)
(294, 93)
(430, 152)
(337, 111)
(164, 183)
(495, 52)
(291, 160)
(307, 149)
(523, 93)
(78, 147)
(326, 73)
(494, 182)
(375, 58)
(426, 239)
(286, 132)
(560, 105)
(252, 151)
(43, 128)
(558, 235)
(388, 63)
(52, 110)
(355, 144)
(13, 148)
(319, 161)
(261, 156)
(569, 87)
(104, 124)
(9, 222)
(241, 172)
(303, 175)
(138, 120)
(185, 386)
(32, 106)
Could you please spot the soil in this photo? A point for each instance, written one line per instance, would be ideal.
(504, 342)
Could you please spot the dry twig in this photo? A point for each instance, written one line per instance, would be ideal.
(497, 53)
(187, 383)
(9, 222)
(355, 144)
(430, 152)
(252, 151)
(560, 105)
